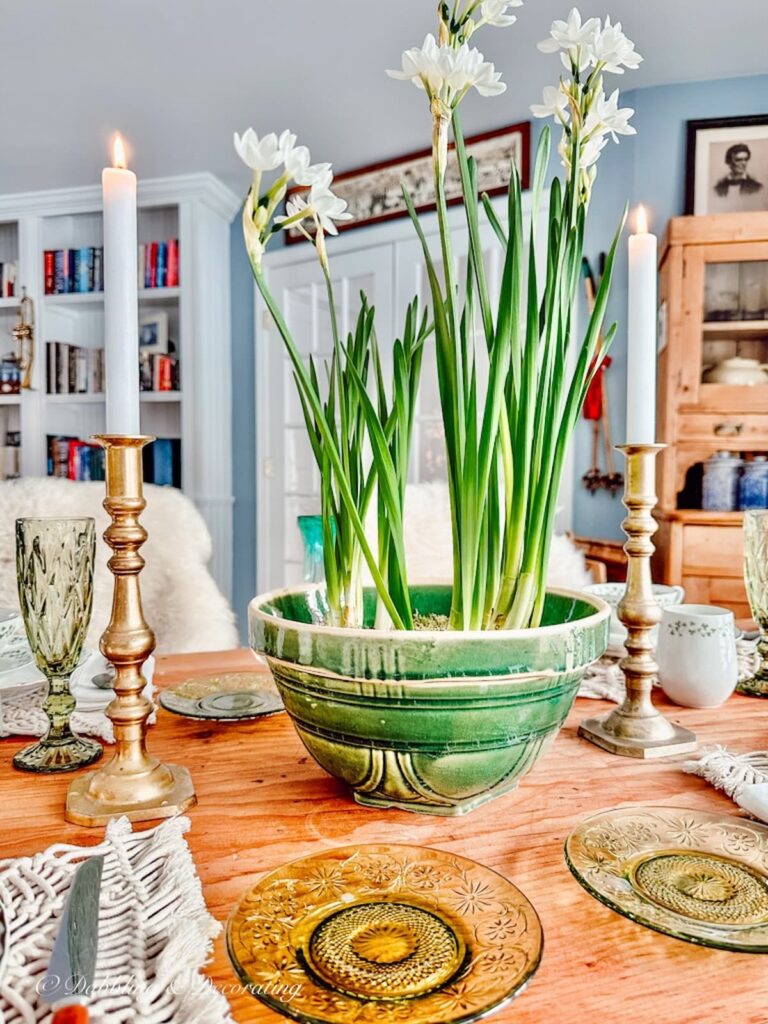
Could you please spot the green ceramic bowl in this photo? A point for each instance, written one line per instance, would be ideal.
(438, 722)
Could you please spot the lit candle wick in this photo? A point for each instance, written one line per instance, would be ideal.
(642, 221)
(118, 153)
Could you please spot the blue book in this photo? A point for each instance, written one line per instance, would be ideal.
(162, 265)
(163, 461)
(83, 269)
(71, 268)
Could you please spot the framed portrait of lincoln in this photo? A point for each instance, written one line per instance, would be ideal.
(727, 165)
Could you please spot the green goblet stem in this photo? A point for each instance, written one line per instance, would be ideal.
(58, 705)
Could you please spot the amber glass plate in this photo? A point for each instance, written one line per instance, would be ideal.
(230, 696)
(384, 933)
(689, 874)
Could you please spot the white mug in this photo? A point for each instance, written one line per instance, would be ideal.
(697, 655)
(612, 594)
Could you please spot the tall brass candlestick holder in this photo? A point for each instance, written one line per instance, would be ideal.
(637, 728)
(133, 783)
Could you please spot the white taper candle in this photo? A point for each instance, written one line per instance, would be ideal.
(121, 313)
(641, 335)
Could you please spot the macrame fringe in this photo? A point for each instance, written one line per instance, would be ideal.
(728, 771)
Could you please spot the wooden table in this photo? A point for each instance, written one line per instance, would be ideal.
(263, 801)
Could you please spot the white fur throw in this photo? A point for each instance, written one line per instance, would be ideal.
(181, 601)
(428, 545)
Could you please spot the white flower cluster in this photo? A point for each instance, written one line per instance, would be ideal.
(447, 73)
(588, 116)
(268, 154)
(589, 44)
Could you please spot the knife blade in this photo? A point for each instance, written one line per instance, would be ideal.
(68, 981)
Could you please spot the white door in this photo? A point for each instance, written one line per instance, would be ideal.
(287, 479)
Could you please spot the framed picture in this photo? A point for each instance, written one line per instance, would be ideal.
(373, 193)
(153, 333)
(727, 165)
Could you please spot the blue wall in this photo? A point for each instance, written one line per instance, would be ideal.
(648, 168)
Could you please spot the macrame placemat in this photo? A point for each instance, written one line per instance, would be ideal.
(22, 714)
(155, 932)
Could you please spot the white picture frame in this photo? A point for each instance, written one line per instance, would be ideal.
(727, 165)
(153, 333)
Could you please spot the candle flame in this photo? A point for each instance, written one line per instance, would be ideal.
(642, 221)
(118, 152)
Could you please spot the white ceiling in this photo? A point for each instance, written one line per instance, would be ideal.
(177, 77)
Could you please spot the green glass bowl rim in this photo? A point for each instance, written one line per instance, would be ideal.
(256, 611)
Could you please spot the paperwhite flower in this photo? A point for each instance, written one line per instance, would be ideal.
(295, 205)
(606, 117)
(572, 35)
(471, 69)
(421, 65)
(448, 73)
(588, 153)
(258, 154)
(555, 102)
(299, 169)
(612, 49)
(494, 12)
(321, 203)
(328, 208)
(591, 151)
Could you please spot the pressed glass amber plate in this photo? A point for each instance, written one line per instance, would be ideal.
(689, 874)
(230, 696)
(385, 934)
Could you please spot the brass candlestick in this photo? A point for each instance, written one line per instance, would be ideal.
(133, 783)
(637, 728)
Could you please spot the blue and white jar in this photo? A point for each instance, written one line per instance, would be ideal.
(753, 486)
(720, 492)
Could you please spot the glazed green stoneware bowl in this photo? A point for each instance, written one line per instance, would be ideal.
(431, 721)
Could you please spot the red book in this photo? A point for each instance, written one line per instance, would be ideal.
(73, 459)
(48, 269)
(172, 278)
(152, 257)
(163, 373)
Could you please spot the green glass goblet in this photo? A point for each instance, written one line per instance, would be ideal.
(54, 571)
(756, 578)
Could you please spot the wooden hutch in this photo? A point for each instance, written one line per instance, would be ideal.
(713, 305)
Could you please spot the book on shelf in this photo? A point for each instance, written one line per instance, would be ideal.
(10, 377)
(162, 462)
(73, 369)
(158, 264)
(7, 280)
(71, 458)
(68, 271)
(10, 456)
(158, 372)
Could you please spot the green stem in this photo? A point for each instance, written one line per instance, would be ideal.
(329, 443)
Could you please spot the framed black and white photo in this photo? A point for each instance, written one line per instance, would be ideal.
(374, 193)
(727, 165)
(153, 333)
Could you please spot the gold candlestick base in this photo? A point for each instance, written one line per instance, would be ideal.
(133, 783)
(637, 728)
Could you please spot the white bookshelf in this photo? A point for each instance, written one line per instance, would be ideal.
(195, 209)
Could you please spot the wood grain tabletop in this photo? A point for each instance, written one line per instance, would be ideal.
(262, 801)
